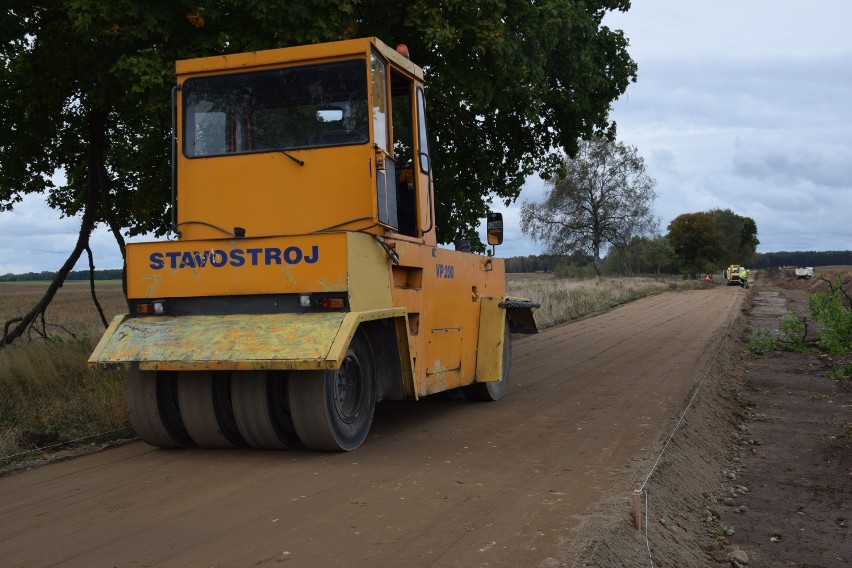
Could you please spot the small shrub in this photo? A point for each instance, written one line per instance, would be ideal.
(793, 332)
(831, 309)
(790, 336)
(762, 342)
(841, 372)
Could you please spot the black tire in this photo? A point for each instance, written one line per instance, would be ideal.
(333, 410)
(492, 391)
(205, 403)
(152, 399)
(262, 409)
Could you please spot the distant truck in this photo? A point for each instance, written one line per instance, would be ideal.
(805, 272)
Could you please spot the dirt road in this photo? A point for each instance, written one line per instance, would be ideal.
(438, 482)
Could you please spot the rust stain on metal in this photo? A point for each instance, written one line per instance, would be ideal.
(235, 342)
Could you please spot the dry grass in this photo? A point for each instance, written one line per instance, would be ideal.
(47, 392)
(564, 299)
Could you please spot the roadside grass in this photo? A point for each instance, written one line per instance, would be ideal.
(566, 299)
(49, 396)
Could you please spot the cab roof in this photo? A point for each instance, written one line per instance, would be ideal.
(288, 55)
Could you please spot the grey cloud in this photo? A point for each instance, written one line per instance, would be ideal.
(792, 162)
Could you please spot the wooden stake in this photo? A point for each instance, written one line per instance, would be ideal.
(637, 510)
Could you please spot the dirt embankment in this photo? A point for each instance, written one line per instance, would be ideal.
(797, 448)
(759, 473)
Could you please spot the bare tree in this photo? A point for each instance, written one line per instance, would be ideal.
(602, 197)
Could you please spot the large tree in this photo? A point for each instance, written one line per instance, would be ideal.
(84, 89)
(706, 241)
(602, 196)
(737, 237)
(696, 242)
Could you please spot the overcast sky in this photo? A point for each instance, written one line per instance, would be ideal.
(740, 104)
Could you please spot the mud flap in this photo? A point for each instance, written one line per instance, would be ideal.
(489, 350)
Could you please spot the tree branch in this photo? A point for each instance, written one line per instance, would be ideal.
(92, 285)
(97, 135)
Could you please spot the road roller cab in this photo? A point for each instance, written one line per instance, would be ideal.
(304, 283)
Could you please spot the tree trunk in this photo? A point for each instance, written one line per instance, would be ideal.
(96, 189)
(86, 227)
(596, 251)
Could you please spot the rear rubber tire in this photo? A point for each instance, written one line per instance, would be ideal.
(154, 409)
(491, 391)
(262, 411)
(205, 407)
(333, 410)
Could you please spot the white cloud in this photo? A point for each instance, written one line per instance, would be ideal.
(35, 238)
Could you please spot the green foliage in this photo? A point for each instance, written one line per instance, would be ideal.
(762, 342)
(832, 309)
(737, 237)
(84, 88)
(577, 265)
(694, 238)
(705, 241)
(602, 196)
(641, 255)
(575, 271)
(793, 331)
(840, 372)
(790, 336)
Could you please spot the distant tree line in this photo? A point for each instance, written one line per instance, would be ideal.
(656, 256)
(803, 258)
(107, 274)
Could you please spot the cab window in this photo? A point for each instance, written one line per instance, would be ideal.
(306, 106)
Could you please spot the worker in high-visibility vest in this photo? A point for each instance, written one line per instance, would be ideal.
(744, 277)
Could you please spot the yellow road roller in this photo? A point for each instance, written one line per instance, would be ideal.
(304, 283)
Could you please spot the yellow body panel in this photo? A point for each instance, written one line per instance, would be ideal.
(492, 325)
(257, 341)
(369, 284)
(232, 267)
(269, 194)
(445, 302)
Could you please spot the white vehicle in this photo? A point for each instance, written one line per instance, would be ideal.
(806, 272)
